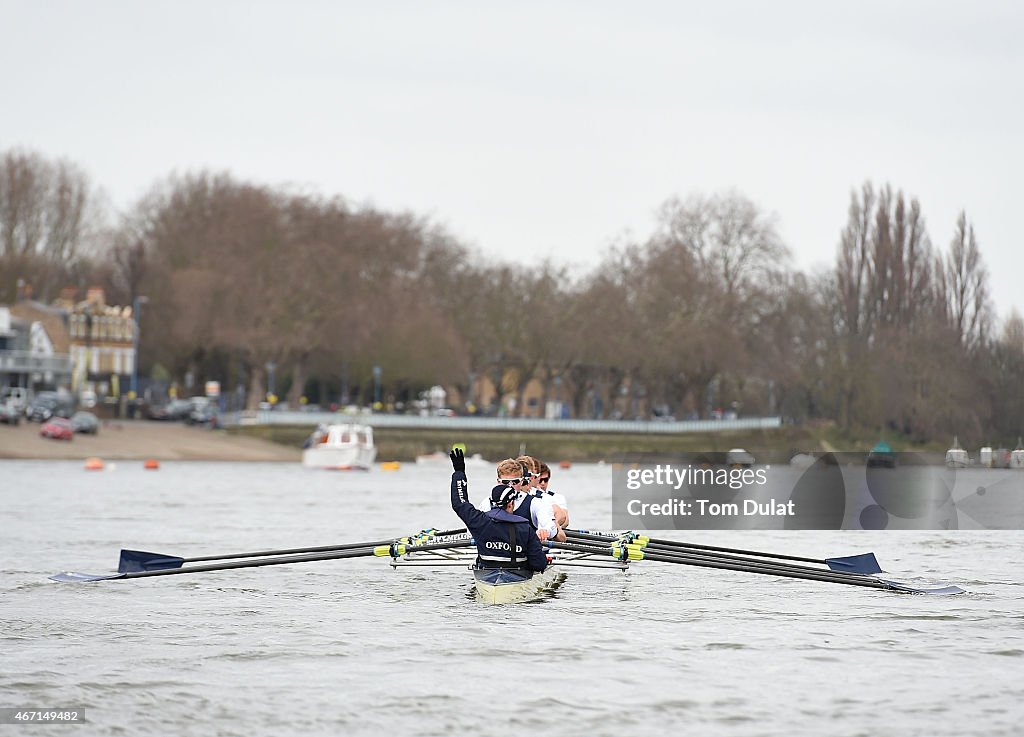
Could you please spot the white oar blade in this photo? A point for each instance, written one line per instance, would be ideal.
(935, 590)
(70, 577)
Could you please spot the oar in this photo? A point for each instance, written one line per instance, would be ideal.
(668, 550)
(631, 551)
(634, 552)
(864, 563)
(140, 560)
(393, 549)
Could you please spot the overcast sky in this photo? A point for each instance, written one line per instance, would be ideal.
(543, 129)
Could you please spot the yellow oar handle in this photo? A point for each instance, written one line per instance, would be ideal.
(627, 552)
(631, 538)
(398, 549)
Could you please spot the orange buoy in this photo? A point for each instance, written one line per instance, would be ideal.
(565, 464)
(93, 464)
(151, 464)
(390, 465)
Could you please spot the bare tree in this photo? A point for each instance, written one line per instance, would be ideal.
(731, 239)
(49, 217)
(964, 286)
(901, 269)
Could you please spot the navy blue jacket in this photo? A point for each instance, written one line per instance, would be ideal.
(491, 531)
(523, 510)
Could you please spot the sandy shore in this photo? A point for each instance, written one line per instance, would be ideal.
(142, 439)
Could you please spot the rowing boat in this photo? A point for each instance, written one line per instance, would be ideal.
(504, 585)
(513, 585)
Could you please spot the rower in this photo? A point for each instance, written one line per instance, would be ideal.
(510, 473)
(539, 512)
(559, 505)
(534, 504)
(503, 539)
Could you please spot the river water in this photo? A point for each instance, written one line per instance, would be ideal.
(352, 647)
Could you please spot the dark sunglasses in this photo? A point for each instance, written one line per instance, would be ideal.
(510, 481)
(543, 479)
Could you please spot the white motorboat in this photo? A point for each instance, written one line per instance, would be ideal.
(1017, 455)
(340, 447)
(956, 457)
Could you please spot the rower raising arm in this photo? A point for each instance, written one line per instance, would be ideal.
(497, 530)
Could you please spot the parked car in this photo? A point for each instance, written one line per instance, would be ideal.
(207, 414)
(85, 422)
(9, 414)
(58, 428)
(173, 411)
(49, 404)
(204, 410)
(16, 397)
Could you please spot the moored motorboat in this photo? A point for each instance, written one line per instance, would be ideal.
(340, 447)
(512, 585)
(1017, 455)
(881, 456)
(956, 457)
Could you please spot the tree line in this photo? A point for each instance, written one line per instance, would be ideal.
(706, 312)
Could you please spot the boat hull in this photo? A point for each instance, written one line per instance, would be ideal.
(340, 447)
(357, 458)
(510, 586)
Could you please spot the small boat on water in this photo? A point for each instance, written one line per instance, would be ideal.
(442, 459)
(739, 458)
(340, 447)
(881, 456)
(1017, 455)
(512, 585)
(803, 460)
(956, 457)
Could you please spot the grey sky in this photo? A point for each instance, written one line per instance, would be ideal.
(542, 129)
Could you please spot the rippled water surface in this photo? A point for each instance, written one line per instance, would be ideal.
(352, 647)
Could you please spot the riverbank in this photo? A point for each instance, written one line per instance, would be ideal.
(141, 440)
(775, 445)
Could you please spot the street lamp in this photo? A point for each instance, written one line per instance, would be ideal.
(136, 307)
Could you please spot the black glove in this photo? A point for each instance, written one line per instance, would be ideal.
(458, 460)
